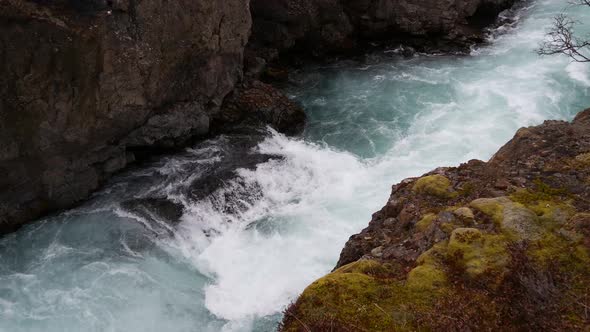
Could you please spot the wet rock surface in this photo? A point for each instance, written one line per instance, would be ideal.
(257, 103)
(90, 86)
(207, 172)
(84, 81)
(337, 26)
(487, 245)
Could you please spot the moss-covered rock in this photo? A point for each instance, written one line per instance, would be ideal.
(550, 204)
(512, 218)
(478, 254)
(580, 222)
(352, 298)
(426, 221)
(464, 213)
(583, 159)
(435, 185)
(429, 274)
(426, 277)
(502, 245)
(493, 207)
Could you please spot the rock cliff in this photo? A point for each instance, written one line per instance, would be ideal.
(329, 26)
(84, 82)
(88, 86)
(498, 245)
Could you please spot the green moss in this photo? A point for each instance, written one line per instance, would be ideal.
(425, 222)
(478, 254)
(551, 211)
(465, 236)
(558, 250)
(583, 159)
(433, 255)
(464, 213)
(512, 219)
(554, 246)
(429, 275)
(551, 204)
(466, 189)
(426, 277)
(348, 299)
(369, 267)
(492, 207)
(449, 227)
(542, 192)
(434, 185)
(369, 295)
(359, 302)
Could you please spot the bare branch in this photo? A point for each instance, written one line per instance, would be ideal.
(580, 2)
(561, 39)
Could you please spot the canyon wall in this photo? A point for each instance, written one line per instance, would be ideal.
(88, 86)
(320, 27)
(84, 83)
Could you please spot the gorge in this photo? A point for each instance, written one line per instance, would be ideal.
(224, 234)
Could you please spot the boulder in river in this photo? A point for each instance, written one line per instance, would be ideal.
(259, 103)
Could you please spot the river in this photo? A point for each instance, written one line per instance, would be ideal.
(279, 210)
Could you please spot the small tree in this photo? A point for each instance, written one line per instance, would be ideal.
(561, 38)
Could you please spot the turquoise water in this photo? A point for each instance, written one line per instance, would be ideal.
(239, 256)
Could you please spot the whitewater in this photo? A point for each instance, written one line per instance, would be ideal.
(239, 255)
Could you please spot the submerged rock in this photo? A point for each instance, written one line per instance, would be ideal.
(458, 251)
(156, 214)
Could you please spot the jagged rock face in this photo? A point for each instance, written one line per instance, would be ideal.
(85, 81)
(443, 19)
(315, 23)
(256, 103)
(337, 25)
(484, 246)
(86, 84)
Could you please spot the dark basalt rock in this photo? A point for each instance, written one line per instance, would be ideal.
(321, 27)
(155, 209)
(88, 86)
(257, 103)
(85, 82)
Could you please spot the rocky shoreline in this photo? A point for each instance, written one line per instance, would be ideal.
(91, 86)
(497, 245)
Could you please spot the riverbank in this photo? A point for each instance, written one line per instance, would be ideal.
(497, 245)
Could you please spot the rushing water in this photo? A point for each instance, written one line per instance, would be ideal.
(241, 254)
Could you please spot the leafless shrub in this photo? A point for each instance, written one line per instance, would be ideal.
(561, 38)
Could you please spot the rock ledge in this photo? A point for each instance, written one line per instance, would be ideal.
(498, 245)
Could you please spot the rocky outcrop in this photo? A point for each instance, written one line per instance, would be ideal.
(498, 245)
(86, 82)
(316, 25)
(325, 26)
(255, 103)
(88, 86)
